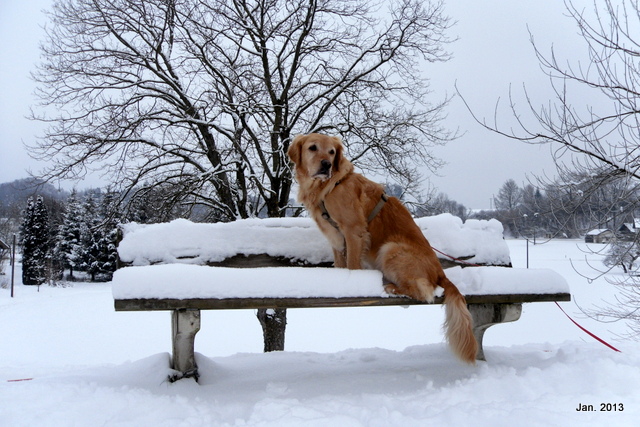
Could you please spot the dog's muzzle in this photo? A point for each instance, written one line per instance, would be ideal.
(325, 169)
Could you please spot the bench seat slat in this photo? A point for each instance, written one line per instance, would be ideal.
(149, 304)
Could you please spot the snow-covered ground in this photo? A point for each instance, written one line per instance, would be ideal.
(83, 364)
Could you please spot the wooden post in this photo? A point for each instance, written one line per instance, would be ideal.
(274, 324)
(486, 315)
(13, 263)
(185, 324)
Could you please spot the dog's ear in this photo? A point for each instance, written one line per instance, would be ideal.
(294, 152)
(337, 143)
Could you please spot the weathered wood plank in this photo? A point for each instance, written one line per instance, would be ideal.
(265, 260)
(256, 303)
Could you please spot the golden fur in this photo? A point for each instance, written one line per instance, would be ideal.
(391, 242)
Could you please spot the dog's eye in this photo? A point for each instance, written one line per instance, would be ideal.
(313, 148)
(332, 151)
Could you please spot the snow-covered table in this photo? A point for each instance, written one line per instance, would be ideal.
(185, 267)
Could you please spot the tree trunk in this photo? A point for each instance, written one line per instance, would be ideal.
(274, 323)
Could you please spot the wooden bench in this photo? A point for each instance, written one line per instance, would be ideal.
(184, 275)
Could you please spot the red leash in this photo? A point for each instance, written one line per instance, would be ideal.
(565, 313)
(455, 259)
(589, 333)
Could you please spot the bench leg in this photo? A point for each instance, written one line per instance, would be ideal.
(486, 315)
(185, 324)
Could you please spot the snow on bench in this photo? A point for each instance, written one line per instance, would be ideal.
(186, 267)
(292, 241)
(184, 282)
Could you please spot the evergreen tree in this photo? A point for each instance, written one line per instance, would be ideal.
(97, 253)
(89, 235)
(67, 245)
(106, 238)
(35, 234)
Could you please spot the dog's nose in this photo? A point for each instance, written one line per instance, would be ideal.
(325, 164)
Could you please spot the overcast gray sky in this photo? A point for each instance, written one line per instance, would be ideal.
(493, 53)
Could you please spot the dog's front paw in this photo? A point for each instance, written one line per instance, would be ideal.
(391, 289)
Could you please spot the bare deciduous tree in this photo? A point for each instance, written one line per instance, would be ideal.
(509, 196)
(623, 254)
(593, 122)
(203, 96)
(599, 142)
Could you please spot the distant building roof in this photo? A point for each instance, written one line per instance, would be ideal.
(3, 245)
(598, 231)
(629, 227)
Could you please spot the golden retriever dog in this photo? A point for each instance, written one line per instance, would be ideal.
(367, 229)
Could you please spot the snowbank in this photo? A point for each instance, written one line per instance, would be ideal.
(383, 366)
(182, 241)
(181, 281)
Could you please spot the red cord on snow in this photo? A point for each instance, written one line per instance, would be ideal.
(586, 331)
(594, 336)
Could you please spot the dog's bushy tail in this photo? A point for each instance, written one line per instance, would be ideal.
(458, 324)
